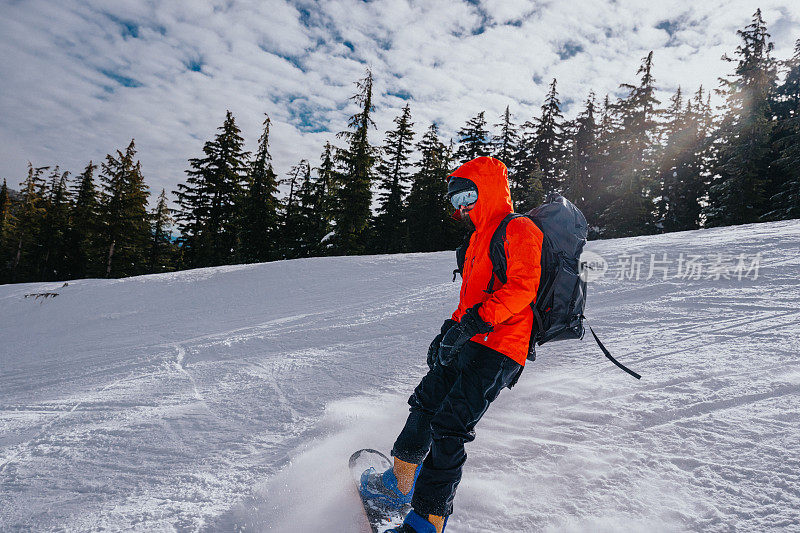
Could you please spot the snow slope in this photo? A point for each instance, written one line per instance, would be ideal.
(230, 398)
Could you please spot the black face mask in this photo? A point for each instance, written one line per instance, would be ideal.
(465, 221)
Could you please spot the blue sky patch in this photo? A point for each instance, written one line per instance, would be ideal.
(569, 49)
(403, 95)
(194, 64)
(294, 60)
(383, 44)
(128, 28)
(669, 26)
(305, 16)
(480, 29)
(119, 78)
(672, 27)
(305, 117)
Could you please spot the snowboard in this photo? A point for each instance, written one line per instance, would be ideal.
(380, 518)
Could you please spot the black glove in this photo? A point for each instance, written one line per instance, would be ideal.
(471, 324)
(446, 356)
(433, 349)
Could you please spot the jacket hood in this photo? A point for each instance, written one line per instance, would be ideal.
(494, 197)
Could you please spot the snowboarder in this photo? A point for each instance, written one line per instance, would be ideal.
(480, 350)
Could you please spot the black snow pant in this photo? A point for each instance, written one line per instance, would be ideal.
(445, 407)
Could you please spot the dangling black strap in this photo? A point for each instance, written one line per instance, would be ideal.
(611, 358)
(489, 288)
(538, 316)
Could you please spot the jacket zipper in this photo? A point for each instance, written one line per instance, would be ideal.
(466, 281)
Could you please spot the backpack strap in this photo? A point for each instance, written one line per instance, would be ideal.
(461, 254)
(539, 324)
(497, 252)
(609, 356)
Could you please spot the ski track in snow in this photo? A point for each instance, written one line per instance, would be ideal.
(230, 398)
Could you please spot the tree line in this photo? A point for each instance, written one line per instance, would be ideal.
(632, 164)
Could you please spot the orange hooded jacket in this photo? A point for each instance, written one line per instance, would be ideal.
(507, 308)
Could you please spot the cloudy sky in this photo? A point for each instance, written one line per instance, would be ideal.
(80, 78)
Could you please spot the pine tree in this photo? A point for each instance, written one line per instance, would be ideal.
(506, 147)
(208, 209)
(682, 170)
(54, 227)
(5, 208)
(393, 169)
(526, 168)
(294, 225)
(25, 233)
(531, 193)
(430, 226)
(325, 197)
(259, 222)
(581, 165)
(672, 160)
(632, 153)
(161, 240)
(706, 149)
(353, 212)
(785, 199)
(473, 139)
(787, 97)
(604, 172)
(6, 223)
(738, 190)
(83, 227)
(704, 155)
(123, 214)
(194, 201)
(308, 242)
(786, 202)
(548, 147)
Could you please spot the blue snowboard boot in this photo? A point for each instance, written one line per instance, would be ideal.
(382, 488)
(414, 523)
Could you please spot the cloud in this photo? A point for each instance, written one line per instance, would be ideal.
(79, 78)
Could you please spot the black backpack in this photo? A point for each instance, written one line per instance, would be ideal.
(561, 297)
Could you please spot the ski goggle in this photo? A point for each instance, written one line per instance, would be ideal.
(464, 198)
